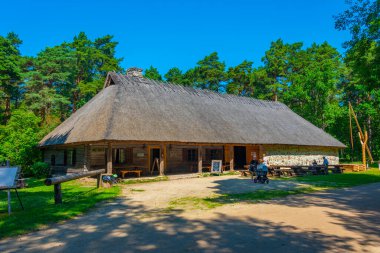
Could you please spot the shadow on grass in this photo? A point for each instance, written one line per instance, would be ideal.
(40, 210)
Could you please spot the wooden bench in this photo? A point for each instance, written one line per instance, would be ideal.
(137, 172)
(337, 170)
(353, 167)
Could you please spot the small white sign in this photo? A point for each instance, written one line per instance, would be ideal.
(216, 166)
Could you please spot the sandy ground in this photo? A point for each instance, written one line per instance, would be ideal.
(345, 220)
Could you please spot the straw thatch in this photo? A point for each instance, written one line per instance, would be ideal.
(139, 109)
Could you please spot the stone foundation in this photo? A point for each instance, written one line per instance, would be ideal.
(281, 155)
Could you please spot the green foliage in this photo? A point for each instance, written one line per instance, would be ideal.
(10, 73)
(40, 170)
(278, 61)
(315, 77)
(362, 87)
(19, 139)
(240, 79)
(152, 73)
(174, 75)
(209, 73)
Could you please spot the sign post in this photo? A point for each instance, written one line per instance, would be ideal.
(9, 202)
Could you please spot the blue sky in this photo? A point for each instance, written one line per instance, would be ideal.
(175, 33)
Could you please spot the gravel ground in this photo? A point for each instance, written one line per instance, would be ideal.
(158, 195)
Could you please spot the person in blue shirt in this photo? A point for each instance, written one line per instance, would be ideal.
(326, 164)
(263, 166)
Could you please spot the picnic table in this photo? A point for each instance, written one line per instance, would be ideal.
(272, 171)
(302, 170)
(131, 169)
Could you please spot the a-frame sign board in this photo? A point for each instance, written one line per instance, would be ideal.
(8, 180)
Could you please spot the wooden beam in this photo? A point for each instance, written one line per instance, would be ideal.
(98, 180)
(232, 155)
(150, 143)
(109, 158)
(200, 162)
(69, 177)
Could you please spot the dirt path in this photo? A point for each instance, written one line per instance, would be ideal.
(158, 195)
(343, 220)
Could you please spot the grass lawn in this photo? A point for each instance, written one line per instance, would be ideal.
(347, 179)
(374, 165)
(226, 173)
(145, 180)
(40, 210)
(309, 184)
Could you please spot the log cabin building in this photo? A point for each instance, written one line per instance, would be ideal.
(134, 122)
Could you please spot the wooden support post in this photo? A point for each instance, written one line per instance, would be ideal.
(85, 157)
(261, 152)
(232, 155)
(162, 160)
(57, 194)
(109, 158)
(98, 180)
(200, 162)
(363, 141)
(89, 155)
(9, 201)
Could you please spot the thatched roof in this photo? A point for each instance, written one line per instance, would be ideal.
(139, 109)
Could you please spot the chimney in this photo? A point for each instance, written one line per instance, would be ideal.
(134, 72)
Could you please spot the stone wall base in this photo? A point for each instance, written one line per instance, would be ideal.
(300, 155)
(299, 159)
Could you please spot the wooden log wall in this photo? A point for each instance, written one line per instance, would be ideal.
(60, 167)
(176, 162)
(95, 157)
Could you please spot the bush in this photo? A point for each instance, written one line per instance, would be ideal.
(40, 170)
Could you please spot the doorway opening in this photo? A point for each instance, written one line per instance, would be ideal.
(154, 163)
(240, 154)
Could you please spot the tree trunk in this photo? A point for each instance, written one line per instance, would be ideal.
(7, 112)
(369, 123)
(323, 122)
(43, 116)
(75, 100)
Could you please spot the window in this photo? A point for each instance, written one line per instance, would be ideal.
(70, 157)
(122, 155)
(190, 155)
(65, 157)
(213, 154)
(52, 160)
(119, 155)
